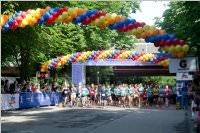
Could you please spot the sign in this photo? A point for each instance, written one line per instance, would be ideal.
(28, 100)
(115, 62)
(9, 101)
(183, 76)
(78, 74)
(189, 64)
(43, 75)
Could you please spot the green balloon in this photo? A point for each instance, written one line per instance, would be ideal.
(186, 48)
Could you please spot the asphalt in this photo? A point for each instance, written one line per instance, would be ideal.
(98, 120)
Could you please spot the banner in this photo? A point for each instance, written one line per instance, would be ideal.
(39, 99)
(189, 64)
(183, 76)
(9, 101)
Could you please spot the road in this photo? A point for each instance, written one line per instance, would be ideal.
(98, 120)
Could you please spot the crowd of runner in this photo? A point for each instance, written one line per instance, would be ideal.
(125, 95)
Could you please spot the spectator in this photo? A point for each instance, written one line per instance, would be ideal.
(2, 86)
(6, 86)
(33, 88)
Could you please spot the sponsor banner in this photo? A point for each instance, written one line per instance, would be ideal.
(183, 76)
(188, 64)
(39, 99)
(9, 101)
(115, 62)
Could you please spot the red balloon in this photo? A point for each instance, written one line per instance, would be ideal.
(84, 22)
(50, 20)
(23, 14)
(120, 29)
(135, 25)
(168, 42)
(98, 14)
(60, 10)
(65, 8)
(28, 11)
(92, 17)
(157, 43)
(182, 42)
(175, 41)
(162, 43)
(19, 19)
(55, 14)
(142, 24)
(73, 60)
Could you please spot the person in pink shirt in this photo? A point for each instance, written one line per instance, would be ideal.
(167, 94)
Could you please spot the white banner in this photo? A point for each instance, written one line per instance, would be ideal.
(188, 64)
(9, 101)
(183, 76)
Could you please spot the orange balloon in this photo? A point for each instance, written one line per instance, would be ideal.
(37, 16)
(74, 14)
(138, 36)
(143, 35)
(123, 18)
(85, 10)
(79, 11)
(68, 19)
(117, 18)
(162, 32)
(47, 8)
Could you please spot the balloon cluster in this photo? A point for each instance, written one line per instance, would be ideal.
(105, 54)
(169, 43)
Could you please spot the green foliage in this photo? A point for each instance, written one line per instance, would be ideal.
(30, 46)
(183, 19)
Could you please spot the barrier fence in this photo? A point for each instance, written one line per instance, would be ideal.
(28, 100)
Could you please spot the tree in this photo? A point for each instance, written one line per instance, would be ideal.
(28, 47)
(183, 19)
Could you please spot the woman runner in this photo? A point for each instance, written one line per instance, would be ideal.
(103, 95)
(123, 95)
(130, 95)
(166, 92)
(161, 96)
(150, 95)
(155, 95)
(84, 94)
(73, 95)
(136, 96)
(141, 92)
(108, 95)
(92, 95)
(117, 94)
(65, 93)
(145, 98)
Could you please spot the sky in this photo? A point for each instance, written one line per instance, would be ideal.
(149, 10)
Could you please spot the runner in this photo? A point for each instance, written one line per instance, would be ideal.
(150, 95)
(136, 95)
(141, 92)
(65, 93)
(92, 95)
(84, 94)
(117, 94)
(145, 98)
(108, 95)
(155, 95)
(112, 94)
(103, 95)
(130, 95)
(161, 96)
(73, 95)
(167, 94)
(123, 94)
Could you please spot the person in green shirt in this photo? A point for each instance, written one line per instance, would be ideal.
(150, 95)
(117, 94)
(112, 93)
(161, 91)
(108, 94)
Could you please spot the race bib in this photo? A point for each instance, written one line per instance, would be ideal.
(103, 95)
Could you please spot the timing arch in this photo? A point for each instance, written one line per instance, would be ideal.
(168, 42)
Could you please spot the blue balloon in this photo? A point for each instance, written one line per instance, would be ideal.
(111, 27)
(132, 21)
(94, 11)
(172, 37)
(121, 23)
(83, 16)
(165, 36)
(10, 22)
(51, 11)
(89, 12)
(75, 21)
(6, 26)
(46, 15)
(115, 26)
(56, 9)
(127, 21)
(147, 39)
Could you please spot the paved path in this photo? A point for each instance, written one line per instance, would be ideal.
(99, 120)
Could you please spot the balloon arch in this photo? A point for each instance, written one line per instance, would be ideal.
(167, 42)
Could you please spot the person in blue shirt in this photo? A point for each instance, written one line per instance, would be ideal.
(84, 95)
(103, 95)
(141, 92)
(161, 95)
(123, 94)
(116, 94)
(185, 96)
(73, 95)
(130, 95)
(150, 95)
(108, 94)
